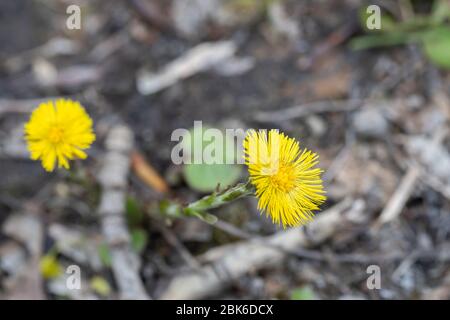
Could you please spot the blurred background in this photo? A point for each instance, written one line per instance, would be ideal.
(373, 103)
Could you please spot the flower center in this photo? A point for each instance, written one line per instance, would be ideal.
(56, 135)
(281, 177)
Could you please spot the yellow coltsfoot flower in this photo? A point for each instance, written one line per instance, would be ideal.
(59, 131)
(288, 188)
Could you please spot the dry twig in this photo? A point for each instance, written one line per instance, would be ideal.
(113, 179)
(28, 229)
(400, 197)
(232, 261)
(147, 173)
(307, 109)
(198, 59)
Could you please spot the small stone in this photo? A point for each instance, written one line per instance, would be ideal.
(317, 125)
(370, 123)
(414, 102)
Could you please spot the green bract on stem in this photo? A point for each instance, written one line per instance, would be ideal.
(200, 207)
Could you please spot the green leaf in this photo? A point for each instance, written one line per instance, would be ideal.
(206, 177)
(380, 40)
(139, 240)
(104, 254)
(134, 213)
(202, 140)
(206, 217)
(303, 293)
(436, 46)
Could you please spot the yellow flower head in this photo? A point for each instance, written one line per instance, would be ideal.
(59, 130)
(287, 186)
(50, 267)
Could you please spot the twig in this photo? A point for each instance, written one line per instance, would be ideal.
(339, 160)
(197, 59)
(103, 50)
(20, 106)
(179, 246)
(398, 200)
(232, 230)
(333, 40)
(307, 109)
(232, 261)
(113, 179)
(151, 13)
(441, 256)
(437, 185)
(28, 229)
(400, 197)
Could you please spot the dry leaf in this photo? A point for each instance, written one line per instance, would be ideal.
(147, 173)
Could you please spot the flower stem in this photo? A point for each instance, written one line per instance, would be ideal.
(199, 208)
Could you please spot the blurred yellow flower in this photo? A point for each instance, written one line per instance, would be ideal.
(50, 267)
(287, 186)
(59, 130)
(100, 286)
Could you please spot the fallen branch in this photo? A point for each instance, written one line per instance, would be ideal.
(152, 14)
(307, 109)
(27, 228)
(113, 180)
(398, 200)
(197, 59)
(229, 262)
(20, 106)
(400, 197)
